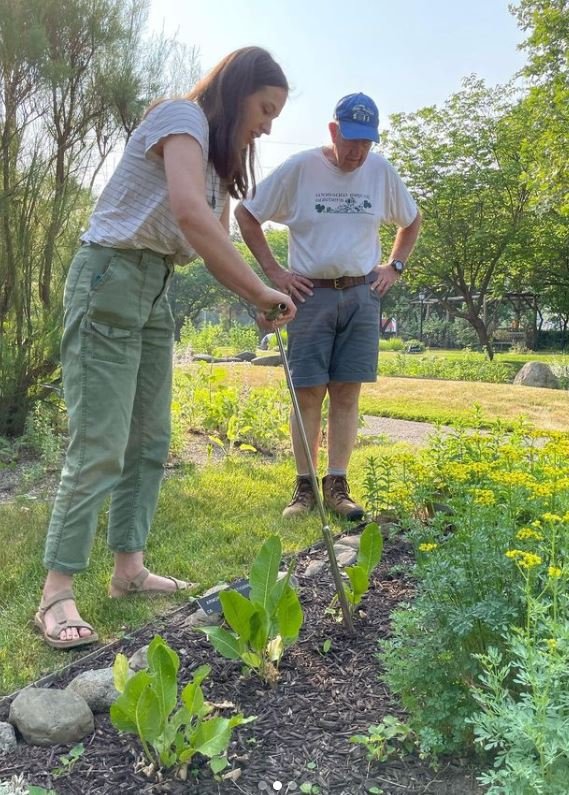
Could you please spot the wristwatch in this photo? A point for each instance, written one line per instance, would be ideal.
(397, 265)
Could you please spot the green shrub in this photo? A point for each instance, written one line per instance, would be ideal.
(414, 345)
(273, 342)
(202, 340)
(392, 344)
(213, 338)
(243, 338)
(43, 436)
(524, 716)
(468, 367)
(203, 401)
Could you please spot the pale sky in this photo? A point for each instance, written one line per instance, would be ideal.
(406, 55)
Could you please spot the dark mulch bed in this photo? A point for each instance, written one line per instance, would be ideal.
(303, 724)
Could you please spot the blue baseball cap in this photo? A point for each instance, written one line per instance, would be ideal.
(358, 117)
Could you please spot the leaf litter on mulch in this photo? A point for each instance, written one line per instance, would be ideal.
(303, 724)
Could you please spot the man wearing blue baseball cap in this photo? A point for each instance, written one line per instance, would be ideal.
(333, 199)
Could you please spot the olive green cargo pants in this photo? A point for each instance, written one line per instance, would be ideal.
(116, 354)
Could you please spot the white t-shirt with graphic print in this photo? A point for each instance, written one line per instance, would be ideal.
(333, 216)
(133, 211)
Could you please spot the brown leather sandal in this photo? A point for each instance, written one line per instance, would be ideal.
(134, 587)
(62, 622)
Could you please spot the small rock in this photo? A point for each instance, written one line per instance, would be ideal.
(293, 582)
(232, 775)
(350, 541)
(97, 688)
(215, 589)
(346, 557)
(314, 568)
(8, 740)
(202, 619)
(386, 519)
(139, 660)
(51, 717)
(272, 360)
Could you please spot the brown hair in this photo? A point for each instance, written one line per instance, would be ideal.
(221, 94)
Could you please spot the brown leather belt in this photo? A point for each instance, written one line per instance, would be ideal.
(344, 281)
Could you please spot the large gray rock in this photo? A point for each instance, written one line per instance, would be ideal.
(8, 740)
(51, 717)
(272, 360)
(246, 356)
(97, 688)
(537, 374)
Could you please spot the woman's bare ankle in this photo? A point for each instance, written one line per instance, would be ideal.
(128, 564)
(55, 582)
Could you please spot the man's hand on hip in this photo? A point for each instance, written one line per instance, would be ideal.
(386, 278)
(294, 284)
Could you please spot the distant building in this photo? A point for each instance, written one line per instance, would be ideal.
(388, 325)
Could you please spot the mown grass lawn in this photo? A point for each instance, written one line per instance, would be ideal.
(447, 402)
(210, 524)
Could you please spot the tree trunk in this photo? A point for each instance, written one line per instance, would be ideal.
(482, 331)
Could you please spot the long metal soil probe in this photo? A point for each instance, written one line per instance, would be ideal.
(326, 534)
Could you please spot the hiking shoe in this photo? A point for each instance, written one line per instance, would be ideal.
(337, 498)
(303, 499)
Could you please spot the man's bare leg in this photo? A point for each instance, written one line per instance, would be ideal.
(310, 402)
(342, 432)
(343, 418)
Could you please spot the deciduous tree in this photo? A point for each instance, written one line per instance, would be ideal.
(463, 163)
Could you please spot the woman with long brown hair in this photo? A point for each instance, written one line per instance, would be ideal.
(167, 202)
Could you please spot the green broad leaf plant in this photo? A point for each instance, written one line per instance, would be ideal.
(172, 729)
(369, 555)
(264, 625)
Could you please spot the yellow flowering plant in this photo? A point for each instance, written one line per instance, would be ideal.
(497, 570)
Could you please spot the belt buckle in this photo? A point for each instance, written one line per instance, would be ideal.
(337, 283)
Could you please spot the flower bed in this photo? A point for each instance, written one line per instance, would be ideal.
(329, 690)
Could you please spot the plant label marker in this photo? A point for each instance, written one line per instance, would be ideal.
(211, 604)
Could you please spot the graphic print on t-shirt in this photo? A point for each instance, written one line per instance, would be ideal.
(343, 203)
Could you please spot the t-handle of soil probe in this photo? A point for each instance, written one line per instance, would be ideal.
(276, 311)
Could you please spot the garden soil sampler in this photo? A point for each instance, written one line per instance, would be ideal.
(326, 533)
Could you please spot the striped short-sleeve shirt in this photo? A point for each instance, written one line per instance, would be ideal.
(133, 211)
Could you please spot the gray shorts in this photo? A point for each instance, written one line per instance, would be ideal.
(335, 337)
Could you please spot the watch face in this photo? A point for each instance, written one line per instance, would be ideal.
(398, 265)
